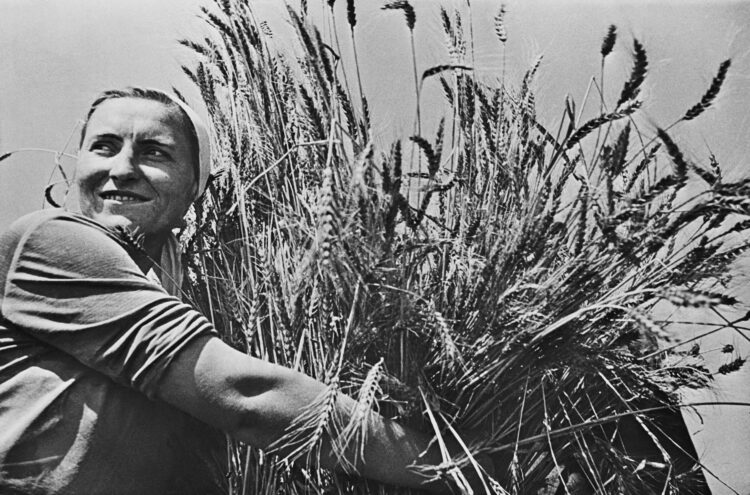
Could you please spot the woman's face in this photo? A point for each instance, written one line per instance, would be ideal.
(135, 166)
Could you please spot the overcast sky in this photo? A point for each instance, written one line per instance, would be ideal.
(57, 54)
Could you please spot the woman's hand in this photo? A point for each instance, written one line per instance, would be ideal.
(255, 402)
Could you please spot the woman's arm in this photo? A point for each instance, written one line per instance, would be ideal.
(255, 401)
(71, 285)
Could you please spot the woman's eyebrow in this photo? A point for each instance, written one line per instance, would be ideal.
(107, 135)
(166, 142)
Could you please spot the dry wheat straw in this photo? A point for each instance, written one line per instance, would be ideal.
(500, 30)
(637, 75)
(531, 267)
(608, 43)
(711, 93)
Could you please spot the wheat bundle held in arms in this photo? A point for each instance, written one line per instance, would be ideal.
(508, 290)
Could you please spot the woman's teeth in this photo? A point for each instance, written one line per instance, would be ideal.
(124, 199)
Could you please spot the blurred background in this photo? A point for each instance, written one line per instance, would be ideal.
(58, 54)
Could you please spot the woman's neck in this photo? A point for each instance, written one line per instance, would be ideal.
(153, 244)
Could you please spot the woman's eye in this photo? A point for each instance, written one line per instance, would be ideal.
(156, 153)
(103, 147)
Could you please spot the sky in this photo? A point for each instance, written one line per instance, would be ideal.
(58, 54)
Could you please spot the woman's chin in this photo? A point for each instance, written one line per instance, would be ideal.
(117, 222)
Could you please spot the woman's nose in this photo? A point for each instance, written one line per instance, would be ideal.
(124, 166)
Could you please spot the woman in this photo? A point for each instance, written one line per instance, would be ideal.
(108, 384)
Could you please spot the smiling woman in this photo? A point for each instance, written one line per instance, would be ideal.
(98, 361)
(137, 165)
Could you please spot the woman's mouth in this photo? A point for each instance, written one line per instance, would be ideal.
(122, 196)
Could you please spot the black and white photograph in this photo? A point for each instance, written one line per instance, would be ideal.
(350, 247)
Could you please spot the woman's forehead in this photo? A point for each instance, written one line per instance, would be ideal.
(137, 118)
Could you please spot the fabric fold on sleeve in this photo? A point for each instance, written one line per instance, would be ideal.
(74, 287)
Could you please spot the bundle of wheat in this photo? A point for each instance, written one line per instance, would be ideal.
(497, 277)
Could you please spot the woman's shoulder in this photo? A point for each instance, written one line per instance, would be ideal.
(70, 243)
(40, 218)
(53, 219)
(56, 229)
(46, 232)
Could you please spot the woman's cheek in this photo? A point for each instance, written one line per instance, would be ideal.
(89, 172)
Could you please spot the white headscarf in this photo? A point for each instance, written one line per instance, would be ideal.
(204, 143)
(171, 255)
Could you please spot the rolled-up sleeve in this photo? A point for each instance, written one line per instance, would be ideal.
(71, 285)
